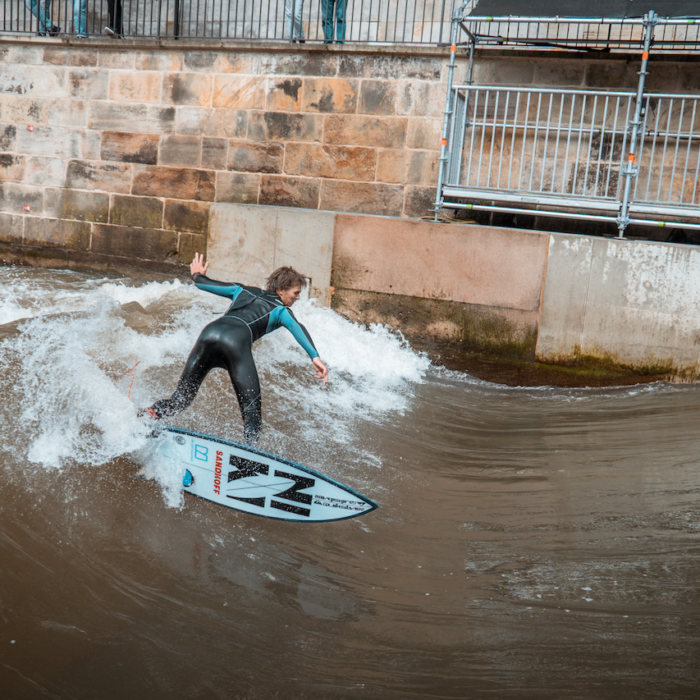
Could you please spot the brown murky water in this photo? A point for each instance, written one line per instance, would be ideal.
(530, 543)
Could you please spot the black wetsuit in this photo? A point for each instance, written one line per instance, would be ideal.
(227, 343)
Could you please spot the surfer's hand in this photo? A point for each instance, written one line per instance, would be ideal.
(198, 265)
(321, 370)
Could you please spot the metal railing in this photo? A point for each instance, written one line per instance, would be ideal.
(370, 21)
(621, 156)
(671, 34)
(564, 152)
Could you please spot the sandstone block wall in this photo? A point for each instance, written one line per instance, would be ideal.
(121, 151)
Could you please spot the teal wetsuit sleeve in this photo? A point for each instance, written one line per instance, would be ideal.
(285, 317)
(222, 289)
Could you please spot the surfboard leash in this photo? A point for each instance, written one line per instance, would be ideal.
(131, 372)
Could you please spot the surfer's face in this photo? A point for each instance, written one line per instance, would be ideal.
(289, 296)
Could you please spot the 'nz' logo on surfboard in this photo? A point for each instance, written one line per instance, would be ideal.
(246, 468)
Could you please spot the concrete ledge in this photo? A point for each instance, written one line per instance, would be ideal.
(247, 242)
(478, 265)
(445, 327)
(633, 303)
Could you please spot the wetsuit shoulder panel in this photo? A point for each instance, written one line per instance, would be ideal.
(283, 316)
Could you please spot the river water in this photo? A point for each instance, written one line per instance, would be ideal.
(529, 542)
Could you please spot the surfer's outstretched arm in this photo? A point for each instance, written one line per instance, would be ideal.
(301, 335)
(198, 269)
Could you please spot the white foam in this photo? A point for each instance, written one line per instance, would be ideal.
(70, 406)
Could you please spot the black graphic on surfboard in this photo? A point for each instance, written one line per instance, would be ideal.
(253, 481)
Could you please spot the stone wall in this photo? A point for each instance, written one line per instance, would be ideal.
(120, 152)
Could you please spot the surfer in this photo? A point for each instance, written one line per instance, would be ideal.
(227, 342)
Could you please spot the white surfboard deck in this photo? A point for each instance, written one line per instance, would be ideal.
(253, 481)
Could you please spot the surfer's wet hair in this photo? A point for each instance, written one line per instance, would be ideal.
(284, 278)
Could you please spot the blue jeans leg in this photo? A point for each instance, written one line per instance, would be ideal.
(295, 28)
(42, 11)
(80, 16)
(340, 20)
(327, 20)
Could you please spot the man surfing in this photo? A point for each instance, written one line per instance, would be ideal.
(228, 342)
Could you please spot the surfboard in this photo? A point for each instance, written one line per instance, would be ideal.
(250, 480)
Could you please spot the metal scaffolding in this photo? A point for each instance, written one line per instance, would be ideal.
(619, 156)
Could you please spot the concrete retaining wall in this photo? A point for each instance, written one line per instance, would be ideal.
(498, 293)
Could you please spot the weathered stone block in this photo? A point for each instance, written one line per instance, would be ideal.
(22, 110)
(419, 201)
(342, 162)
(45, 172)
(319, 64)
(49, 141)
(239, 92)
(662, 78)
(249, 157)
(27, 55)
(392, 164)
(283, 94)
(240, 188)
(559, 73)
(149, 119)
(159, 59)
(78, 205)
(369, 198)
(11, 228)
(201, 121)
(612, 75)
(12, 167)
(186, 216)
(377, 97)
(124, 59)
(188, 245)
(8, 136)
(141, 212)
(15, 196)
(57, 233)
(279, 126)
(214, 153)
(130, 148)
(422, 168)
(358, 66)
(61, 56)
(109, 177)
(36, 81)
(179, 183)
(330, 95)
(187, 89)
(89, 144)
(389, 132)
(87, 84)
(289, 191)
(144, 244)
(689, 80)
(424, 133)
(418, 98)
(132, 86)
(511, 72)
(65, 111)
(220, 62)
(180, 150)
